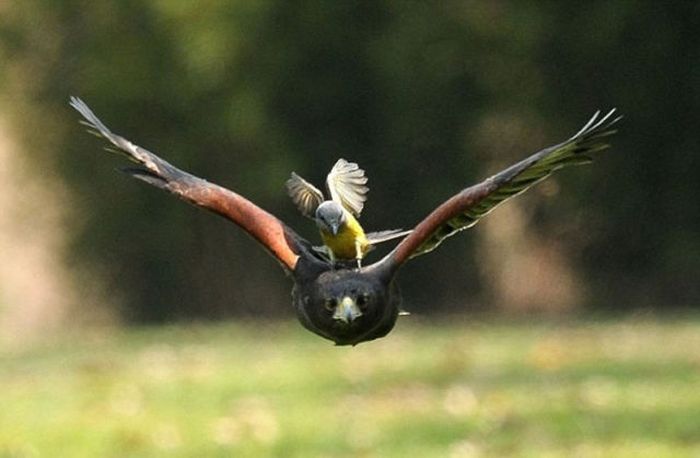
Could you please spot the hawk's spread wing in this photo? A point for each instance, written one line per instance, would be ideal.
(346, 184)
(305, 196)
(275, 236)
(467, 207)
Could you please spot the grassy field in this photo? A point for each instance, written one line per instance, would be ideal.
(627, 388)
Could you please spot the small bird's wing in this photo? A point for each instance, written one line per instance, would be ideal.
(346, 183)
(466, 208)
(385, 236)
(305, 196)
(275, 236)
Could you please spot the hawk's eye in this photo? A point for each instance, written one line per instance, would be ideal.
(362, 300)
(330, 304)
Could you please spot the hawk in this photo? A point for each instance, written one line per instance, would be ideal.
(354, 305)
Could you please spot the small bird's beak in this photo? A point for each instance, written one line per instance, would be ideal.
(347, 310)
(334, 228)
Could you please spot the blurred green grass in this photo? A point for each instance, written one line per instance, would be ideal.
(457, 388)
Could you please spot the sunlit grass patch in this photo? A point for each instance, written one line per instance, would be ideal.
(456, 389)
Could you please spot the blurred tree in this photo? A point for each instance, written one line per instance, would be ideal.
(426, 97)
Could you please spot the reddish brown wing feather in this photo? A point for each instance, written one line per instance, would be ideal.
(466, 208)
(275, 236)
(434, 221)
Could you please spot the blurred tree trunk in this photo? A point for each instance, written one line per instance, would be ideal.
(524, 265)
(524, 270)
(38, 291)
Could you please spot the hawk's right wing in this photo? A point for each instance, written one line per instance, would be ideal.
(281, 241)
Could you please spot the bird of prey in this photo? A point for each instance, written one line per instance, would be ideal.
(343, 236)
(350, 305)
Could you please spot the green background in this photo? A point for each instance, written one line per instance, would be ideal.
(428, 97)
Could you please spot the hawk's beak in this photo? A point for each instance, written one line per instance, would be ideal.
(347, 311)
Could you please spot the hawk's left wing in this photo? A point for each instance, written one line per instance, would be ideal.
(467, 207)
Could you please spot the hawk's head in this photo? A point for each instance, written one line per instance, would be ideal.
(347, 306)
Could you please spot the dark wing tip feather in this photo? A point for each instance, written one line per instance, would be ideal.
(100, 130)
(119, 144)
(597, 127)
(145, 175)
(90, 119)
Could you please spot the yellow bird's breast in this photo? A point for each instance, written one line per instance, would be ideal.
(343, 245)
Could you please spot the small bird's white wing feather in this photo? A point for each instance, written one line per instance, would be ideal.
(346, 184)
(305, 196)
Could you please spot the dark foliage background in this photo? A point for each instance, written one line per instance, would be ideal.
(427, 96)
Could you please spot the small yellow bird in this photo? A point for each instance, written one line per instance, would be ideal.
(343, 236)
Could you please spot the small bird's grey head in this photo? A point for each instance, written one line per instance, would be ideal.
(330, 216)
